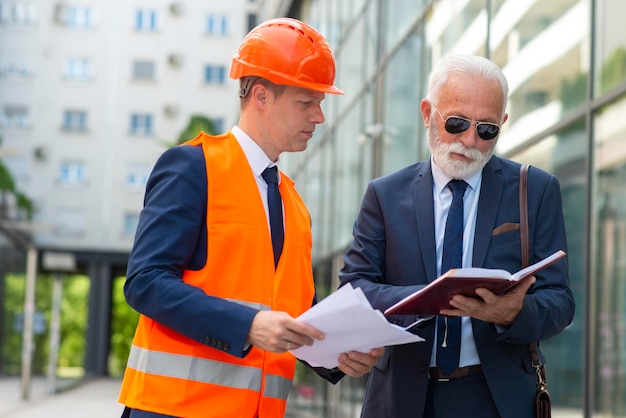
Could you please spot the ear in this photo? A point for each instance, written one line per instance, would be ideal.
(259, 94)
(426, 109)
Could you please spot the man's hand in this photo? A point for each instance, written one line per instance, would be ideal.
(489, 307)
(278, 332)
(356, 364)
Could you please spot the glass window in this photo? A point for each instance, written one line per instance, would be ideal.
(402, 98)
(72, 173)
(18, 12)
(545, 83)
(457, 27)
(217, 25)
(401, 15)
(214, 74)
(143, 70)
(75, 120)
(15, 117)
(146, 20)
(345, 175)
(137, 175)
(610, 51)
(141, 124)
(356, 60)
(78, 17)
(14, 69)
(309, 183)
(78, 69)
(565, 156)
(609, 254)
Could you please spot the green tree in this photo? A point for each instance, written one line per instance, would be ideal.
(196, 124)
(123, 323)
(7, 184)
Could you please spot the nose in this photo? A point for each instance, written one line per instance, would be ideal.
(318, 115)
(470, 137)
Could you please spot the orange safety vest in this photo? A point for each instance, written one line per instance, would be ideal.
(171, 374)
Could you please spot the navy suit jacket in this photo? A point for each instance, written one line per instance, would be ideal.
(393, 255)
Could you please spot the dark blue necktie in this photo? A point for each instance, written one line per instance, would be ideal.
(275, 206)
(449, 329)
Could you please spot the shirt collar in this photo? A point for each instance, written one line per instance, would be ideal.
(441, 179)
(257, 158)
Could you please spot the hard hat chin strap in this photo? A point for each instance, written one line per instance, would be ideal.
(245, 84)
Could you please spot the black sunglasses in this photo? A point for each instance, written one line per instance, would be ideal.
(457, 124)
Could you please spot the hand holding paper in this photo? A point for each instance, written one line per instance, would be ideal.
(350, 324)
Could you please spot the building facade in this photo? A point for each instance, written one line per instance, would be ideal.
(566, 66)
(91, 93)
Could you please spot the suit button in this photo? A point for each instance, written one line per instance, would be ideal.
(220, 344)
(423, 368)
(226, 346)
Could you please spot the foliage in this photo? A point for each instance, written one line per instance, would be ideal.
(124, 320)
(196, 124)
(74, 317)
(613, 70)
(6, 180)
(74, 311)
(15, 290)
(8, 184)
(573, 91)
(74, 321)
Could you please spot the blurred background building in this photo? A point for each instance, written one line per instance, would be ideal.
(91, 92)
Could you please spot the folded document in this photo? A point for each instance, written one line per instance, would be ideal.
(350, 324)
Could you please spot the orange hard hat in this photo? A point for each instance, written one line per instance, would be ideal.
(287, 51)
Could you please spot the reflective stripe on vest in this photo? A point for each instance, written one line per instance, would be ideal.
(258, 306)
(207, 371)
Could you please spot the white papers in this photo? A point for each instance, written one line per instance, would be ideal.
(350, 324)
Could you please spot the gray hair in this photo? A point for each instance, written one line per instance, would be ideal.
(469, 65)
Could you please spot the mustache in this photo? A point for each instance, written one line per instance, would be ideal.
(458, 148)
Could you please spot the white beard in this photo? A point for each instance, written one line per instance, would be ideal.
(455, 168)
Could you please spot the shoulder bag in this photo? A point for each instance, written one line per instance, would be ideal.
(543, 402)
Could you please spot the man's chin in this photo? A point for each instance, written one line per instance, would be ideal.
(461, 170)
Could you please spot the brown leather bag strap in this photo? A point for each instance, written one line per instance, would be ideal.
(525, 244)
(523, 215)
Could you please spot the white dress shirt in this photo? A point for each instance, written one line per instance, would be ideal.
(443, 198)
(258, 161)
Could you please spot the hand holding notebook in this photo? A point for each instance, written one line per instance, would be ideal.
(430, 300)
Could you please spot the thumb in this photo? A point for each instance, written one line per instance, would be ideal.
(524, 284)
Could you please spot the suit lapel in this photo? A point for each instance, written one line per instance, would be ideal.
(488, 207)
(425, 218)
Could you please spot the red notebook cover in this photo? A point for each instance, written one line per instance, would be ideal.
(430, 300)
